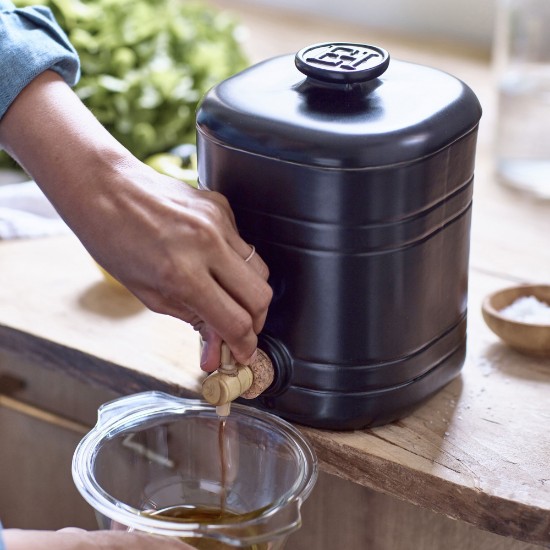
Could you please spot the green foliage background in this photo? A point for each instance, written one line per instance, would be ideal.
(146, 64)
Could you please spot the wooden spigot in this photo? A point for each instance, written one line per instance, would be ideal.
(233, 380)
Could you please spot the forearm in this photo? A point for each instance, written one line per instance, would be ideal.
(61, 144)
(87, 174)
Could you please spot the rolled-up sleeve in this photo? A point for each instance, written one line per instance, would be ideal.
(31, 42)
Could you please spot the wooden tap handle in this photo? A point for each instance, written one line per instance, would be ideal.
(221, 388)
(233, 380)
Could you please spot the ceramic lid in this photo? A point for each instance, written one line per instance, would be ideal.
(339, 105)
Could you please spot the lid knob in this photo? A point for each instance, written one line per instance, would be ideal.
(342, 62)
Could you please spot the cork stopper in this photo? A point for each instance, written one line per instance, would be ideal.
(262, 375)
(234, 380)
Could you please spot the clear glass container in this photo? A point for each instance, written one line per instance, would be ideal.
(170, 466)
(522, 64)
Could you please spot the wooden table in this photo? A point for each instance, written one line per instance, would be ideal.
(479, 451)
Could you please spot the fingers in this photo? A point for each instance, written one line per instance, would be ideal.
(221, 319)
(255, 261)
(78, 539)
(224, 316)
(191, 263)
(240, 290)
(229, 304)
(119, 540)
(210, 349)
(246, 284)
(223, 295)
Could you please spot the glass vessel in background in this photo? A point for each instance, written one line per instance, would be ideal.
(522, 63)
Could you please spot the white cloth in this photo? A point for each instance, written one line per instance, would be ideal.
(25, 212)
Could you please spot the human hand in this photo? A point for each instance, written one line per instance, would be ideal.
(78, 539)
(176, 248)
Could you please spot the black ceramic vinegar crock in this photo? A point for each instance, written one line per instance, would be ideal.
(352, 175)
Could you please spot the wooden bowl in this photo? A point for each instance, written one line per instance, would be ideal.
(528, 338)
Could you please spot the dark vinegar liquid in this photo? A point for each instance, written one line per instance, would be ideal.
(196, 514)
(211, 515)
(223, 463)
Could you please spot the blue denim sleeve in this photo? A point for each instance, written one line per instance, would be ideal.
(2, 547)
(31, 42)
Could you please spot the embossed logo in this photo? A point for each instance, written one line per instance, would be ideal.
(344, 58)
(342, 62)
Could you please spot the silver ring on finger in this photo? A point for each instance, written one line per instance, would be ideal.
(252, 252)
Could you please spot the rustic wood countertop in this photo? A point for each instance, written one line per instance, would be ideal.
(478, 451)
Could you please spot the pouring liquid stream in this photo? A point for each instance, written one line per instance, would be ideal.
(221, 515)
(223, 464)
(229, 367)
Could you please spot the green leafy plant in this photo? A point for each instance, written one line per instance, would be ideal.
(146, 64)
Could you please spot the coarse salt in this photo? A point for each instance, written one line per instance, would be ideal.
(528, 309)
